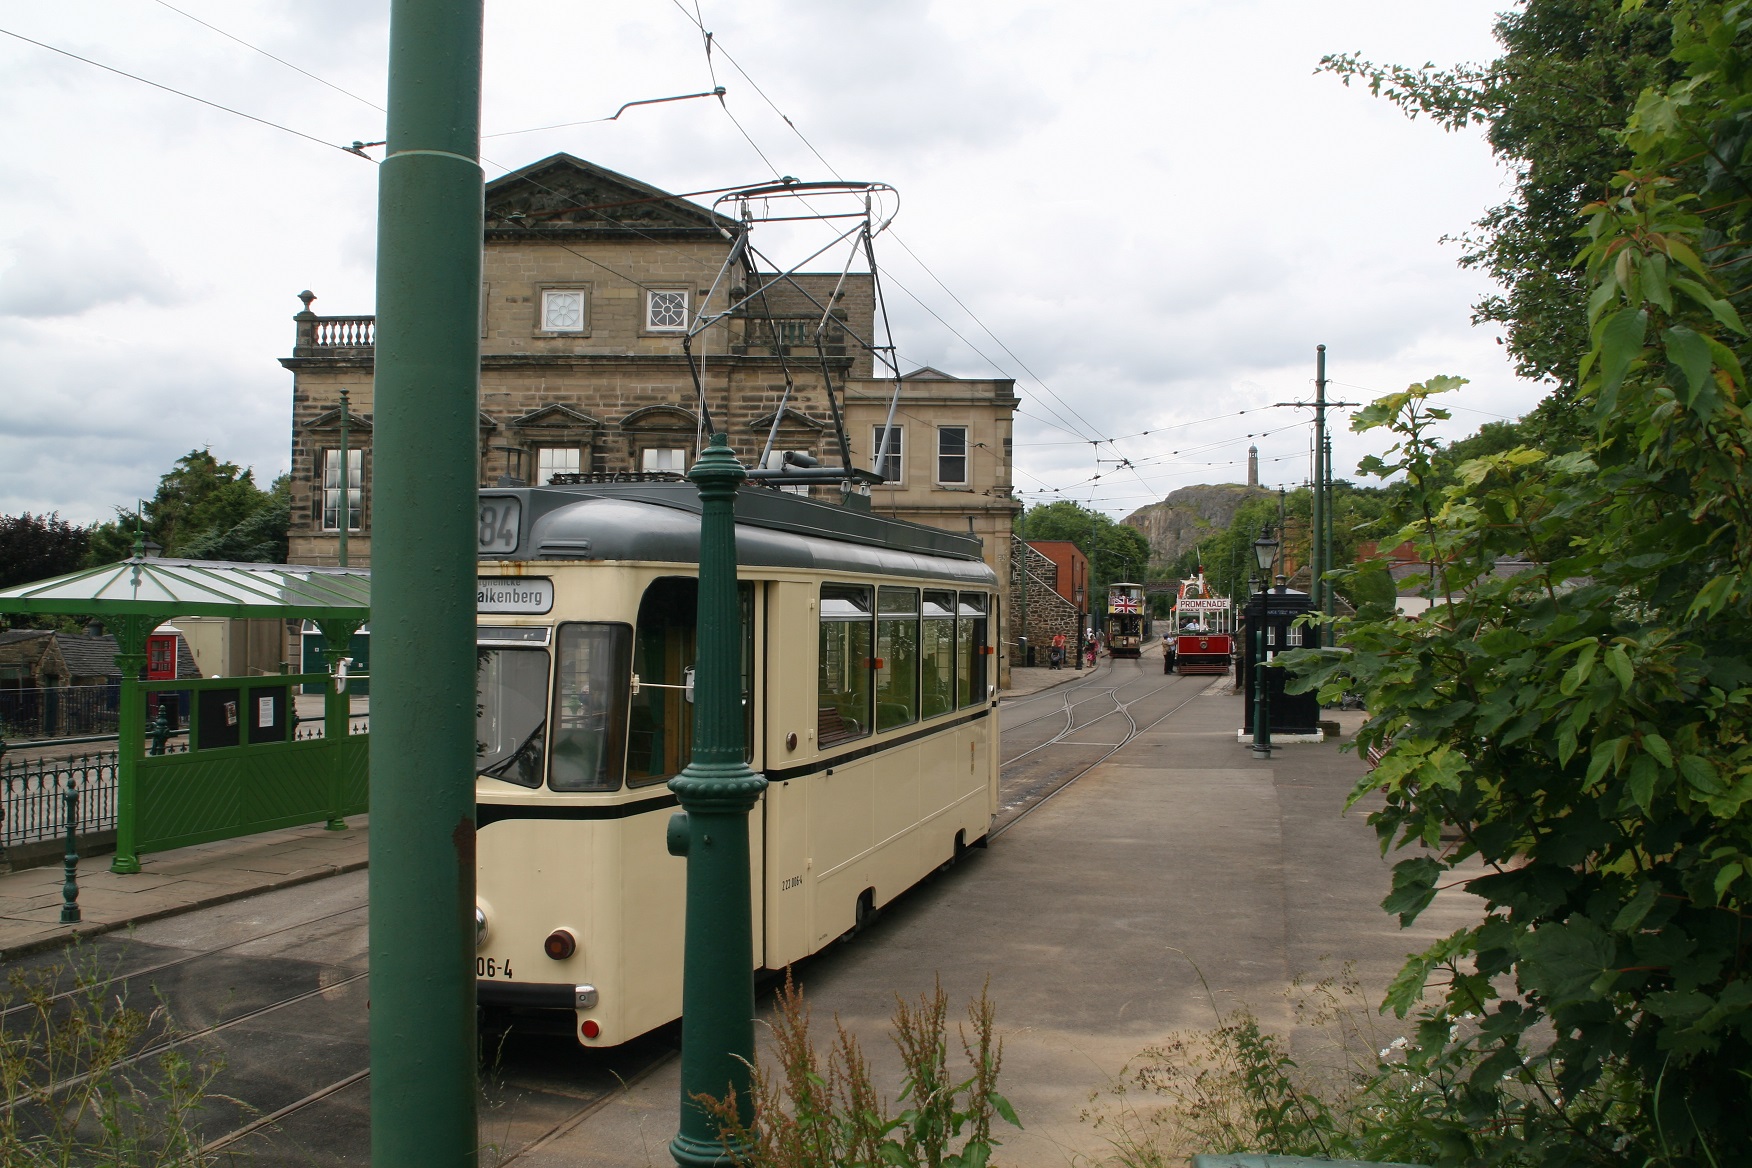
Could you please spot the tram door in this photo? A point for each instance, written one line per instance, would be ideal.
(660, 722)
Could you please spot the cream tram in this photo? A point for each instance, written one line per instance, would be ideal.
(1125, 620)
(868, 692)
(1203, 640)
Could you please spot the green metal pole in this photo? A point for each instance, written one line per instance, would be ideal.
(346, 516)
(716, 791)
(1325, 636)
(70, 861)
(131, 633)
(1261, 701)
(426, 441)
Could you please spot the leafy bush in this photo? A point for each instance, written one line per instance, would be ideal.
(808, 1116)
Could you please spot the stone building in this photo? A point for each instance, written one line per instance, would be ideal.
(590, 281)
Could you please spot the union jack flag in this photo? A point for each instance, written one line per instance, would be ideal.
(1123, 604)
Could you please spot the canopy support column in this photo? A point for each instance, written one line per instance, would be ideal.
(132, 630)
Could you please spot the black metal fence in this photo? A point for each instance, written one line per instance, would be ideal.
(33, 807)
(67, 711)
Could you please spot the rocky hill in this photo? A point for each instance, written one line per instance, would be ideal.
(1189, 515)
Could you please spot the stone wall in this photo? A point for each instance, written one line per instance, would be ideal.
(1037, 610)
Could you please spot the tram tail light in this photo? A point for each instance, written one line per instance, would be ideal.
(589, 1028)
(560, 944)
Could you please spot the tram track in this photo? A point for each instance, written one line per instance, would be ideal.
(1114, 698)
(1041, 796)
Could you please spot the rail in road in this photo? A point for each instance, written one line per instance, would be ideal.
(273, 988)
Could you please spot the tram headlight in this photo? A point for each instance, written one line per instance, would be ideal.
(480, 926)
(560, 944)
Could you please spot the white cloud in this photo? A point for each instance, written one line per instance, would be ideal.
(1160, 209)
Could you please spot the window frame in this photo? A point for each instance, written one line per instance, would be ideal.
(651, 326)
(646, 451)
(965, 456)
(860, 723)
(355, 483)
(896, 453)
(543, 291)
(577, 453)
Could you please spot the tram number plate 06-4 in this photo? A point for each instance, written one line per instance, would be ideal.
(498, 528)
(492, 967)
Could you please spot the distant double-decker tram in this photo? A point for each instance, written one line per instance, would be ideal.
(1125, 619)
(868, 687)
(1203, 639)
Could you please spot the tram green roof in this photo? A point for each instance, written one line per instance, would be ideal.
(660, 522)
(169, 588)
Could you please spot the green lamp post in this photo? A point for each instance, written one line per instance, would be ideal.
(1265, 551)
(717, 790)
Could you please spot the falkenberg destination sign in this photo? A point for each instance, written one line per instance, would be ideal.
(530, 595)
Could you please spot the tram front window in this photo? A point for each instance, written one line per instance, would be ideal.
(510, 707)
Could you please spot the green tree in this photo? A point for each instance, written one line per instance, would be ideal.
(1586, 727)
(1552, 106)
(203, 509)
(1115, 551)
(37, 547)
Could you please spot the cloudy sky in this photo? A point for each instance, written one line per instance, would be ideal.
(1147, 212)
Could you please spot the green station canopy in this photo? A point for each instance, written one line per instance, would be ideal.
(148, 586)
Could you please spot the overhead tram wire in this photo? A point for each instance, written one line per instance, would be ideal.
(271, 57)
(699, 22)
(178, 92)
(711, 45)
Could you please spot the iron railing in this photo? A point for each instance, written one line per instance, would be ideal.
(63, 711)
(32, 803)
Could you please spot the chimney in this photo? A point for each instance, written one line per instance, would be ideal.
(1253, 466)
(94, 629)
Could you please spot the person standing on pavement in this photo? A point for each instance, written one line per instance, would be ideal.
(1058, 651)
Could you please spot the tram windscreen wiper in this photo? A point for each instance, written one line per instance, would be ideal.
(527, 758)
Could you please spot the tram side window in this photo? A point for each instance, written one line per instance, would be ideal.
(897, 648)
(510, 703)
(590, 707)
(844, 691)
(970, 650)
(937, 655)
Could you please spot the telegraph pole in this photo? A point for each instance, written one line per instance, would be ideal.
(1326, 555)
(1316, 560)
(424, 499)
(1320, 493)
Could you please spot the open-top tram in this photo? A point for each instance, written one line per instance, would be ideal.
(1125, 620)
(868, 683)
(1203, 639)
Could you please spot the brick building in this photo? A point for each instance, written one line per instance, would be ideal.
(590, 280)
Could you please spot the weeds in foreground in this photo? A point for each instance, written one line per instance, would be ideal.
(76, 1088)
(807, 1114)
(1446, 1093)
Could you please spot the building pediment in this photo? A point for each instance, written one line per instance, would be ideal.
(792, 418)
(556, 417)
(331, 420)
(566, 197)
(660, 418)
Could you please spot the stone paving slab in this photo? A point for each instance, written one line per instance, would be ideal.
(172, 882)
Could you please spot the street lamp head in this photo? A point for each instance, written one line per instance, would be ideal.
(1265, 550)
